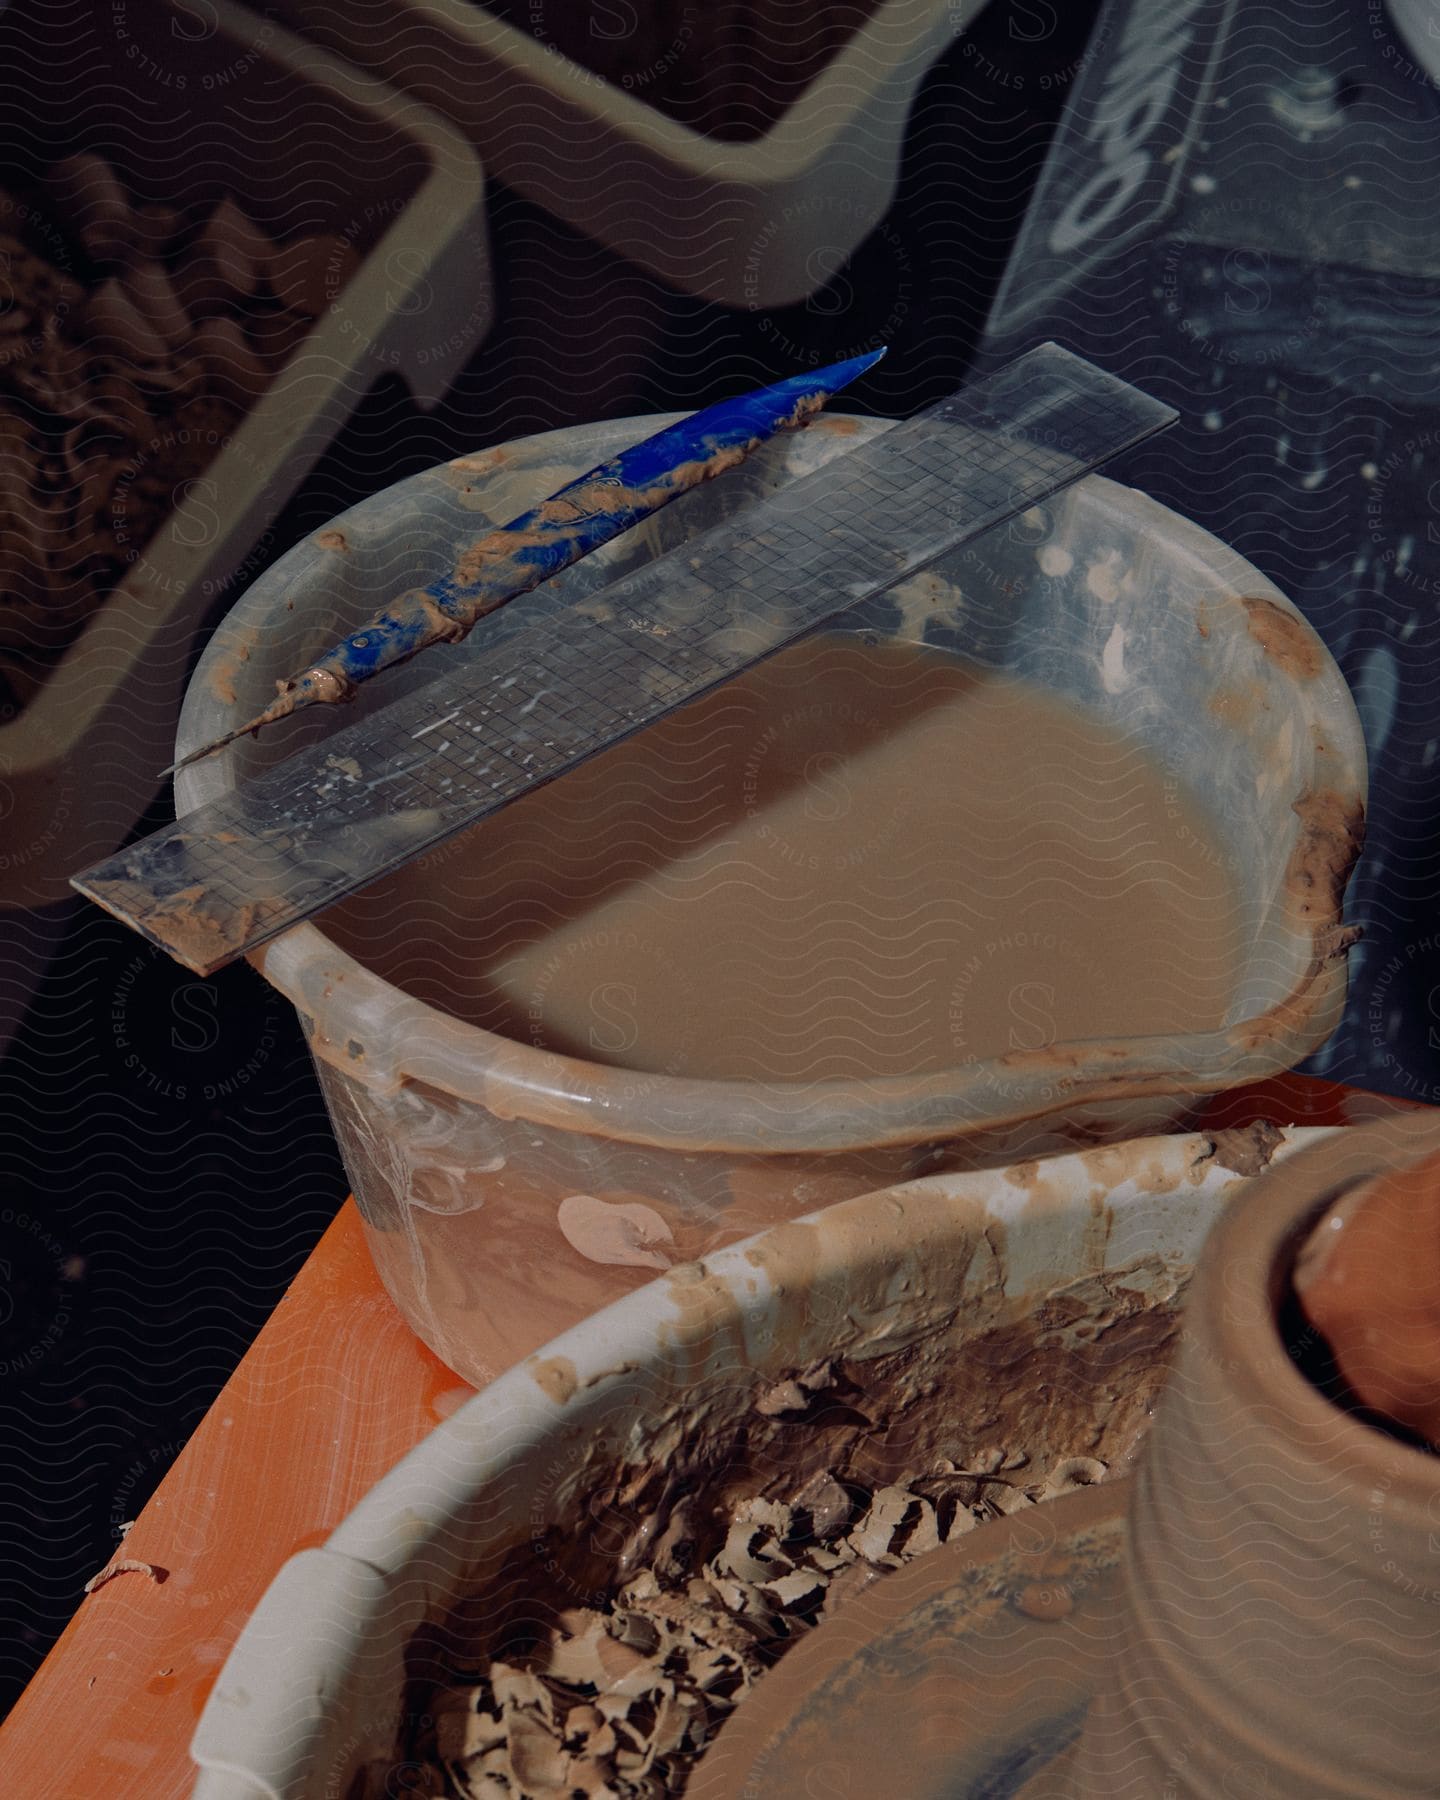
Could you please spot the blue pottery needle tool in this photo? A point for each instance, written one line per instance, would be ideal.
(373, 795)
(583, 515)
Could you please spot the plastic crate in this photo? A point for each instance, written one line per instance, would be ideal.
(756, 224)
(192, 108)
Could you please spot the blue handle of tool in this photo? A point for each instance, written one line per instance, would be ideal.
(583, 515)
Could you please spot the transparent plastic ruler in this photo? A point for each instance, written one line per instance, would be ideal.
(234, 873)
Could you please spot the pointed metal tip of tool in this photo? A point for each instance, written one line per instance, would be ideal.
(277, 709)
(317, 686)
(195, 756)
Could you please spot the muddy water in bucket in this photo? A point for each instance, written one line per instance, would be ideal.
(870, 912)
(858, 859)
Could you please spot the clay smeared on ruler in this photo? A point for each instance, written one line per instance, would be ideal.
(329, 820)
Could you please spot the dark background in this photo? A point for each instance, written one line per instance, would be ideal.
(160, 1230)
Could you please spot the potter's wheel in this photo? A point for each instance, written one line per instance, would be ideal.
(959, 1677)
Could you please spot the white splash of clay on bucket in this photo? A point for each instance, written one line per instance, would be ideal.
(615, 1231)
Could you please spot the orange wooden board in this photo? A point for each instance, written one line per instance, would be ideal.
(332, 1393)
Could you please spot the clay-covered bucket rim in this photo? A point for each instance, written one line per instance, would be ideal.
(377, 1035)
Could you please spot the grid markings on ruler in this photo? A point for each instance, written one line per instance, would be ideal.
(237, 871)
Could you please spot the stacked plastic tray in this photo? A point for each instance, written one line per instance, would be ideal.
(225, 117)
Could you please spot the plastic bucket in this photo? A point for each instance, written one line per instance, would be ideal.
(463, 1146)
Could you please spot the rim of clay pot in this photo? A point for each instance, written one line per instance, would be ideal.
(343, 1004)
(1245, 1277)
